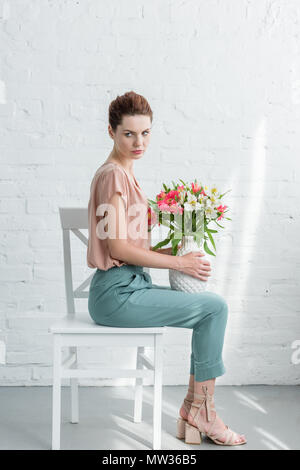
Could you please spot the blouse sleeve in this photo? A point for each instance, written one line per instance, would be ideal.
(110, 183)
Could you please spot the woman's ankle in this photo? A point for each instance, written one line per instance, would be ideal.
(208, 386)
(190, 394)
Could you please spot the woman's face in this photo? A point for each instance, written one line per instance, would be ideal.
(132, 134)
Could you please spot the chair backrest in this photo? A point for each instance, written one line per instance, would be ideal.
(74, 219)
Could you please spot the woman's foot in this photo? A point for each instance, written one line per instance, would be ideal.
(205, 418)
(185, 409)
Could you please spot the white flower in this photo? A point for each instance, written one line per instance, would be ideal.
(214, 191)
(203, 200)
(188, 207)
(210, 212)
(191, 199)
(192, 205)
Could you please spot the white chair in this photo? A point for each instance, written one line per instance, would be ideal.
(78, 329)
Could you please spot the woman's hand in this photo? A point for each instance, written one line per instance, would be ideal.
(192, 263)
(195, 265)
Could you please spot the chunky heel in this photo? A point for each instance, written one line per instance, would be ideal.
(180, 428)
(227, 437)
(192, 434)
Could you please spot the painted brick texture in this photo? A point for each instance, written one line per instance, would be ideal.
(223, 80)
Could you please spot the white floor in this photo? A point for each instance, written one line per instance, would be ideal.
(269, 416)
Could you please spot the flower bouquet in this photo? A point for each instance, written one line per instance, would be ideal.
(187, 210)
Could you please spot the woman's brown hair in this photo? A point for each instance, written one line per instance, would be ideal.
(130, 103)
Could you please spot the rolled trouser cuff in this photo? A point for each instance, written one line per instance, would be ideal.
(203, 372)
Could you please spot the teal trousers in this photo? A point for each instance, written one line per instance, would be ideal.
(126, 297)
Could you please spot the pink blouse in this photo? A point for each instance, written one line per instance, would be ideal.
(112, 178)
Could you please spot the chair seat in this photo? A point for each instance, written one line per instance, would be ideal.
(83, 323)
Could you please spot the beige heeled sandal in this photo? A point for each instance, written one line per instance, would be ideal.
(193, 434)
(181, 421)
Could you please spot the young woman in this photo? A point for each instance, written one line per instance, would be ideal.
(122, 295)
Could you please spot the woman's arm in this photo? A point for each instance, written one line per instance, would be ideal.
(131, 254)
(121, 249)
(164, 251)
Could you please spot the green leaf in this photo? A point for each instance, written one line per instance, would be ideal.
(212, 240)
(167, 224)
(175, 243)
(221, 195)
(208, 250)
(160, 244)
(198, 239)
(219, 224)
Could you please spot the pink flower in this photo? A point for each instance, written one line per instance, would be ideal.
(163, 206)
(170, 197)
(195, 187)
(221, 209)
(161, 195)
(172, 194)
(175, 208)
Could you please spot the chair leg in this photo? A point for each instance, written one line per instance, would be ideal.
(157, 392)
(74, 393)
(138, 393)
(56, 392)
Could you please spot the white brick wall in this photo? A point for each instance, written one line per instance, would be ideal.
(223, 79)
